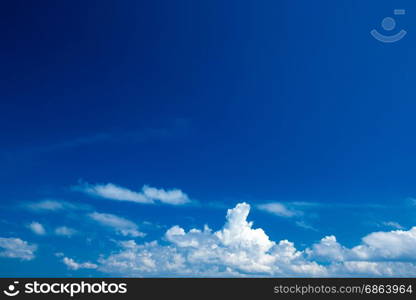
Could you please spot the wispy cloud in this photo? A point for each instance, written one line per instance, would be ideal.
(17, 248)
(392, 224)
(293, 210)
(177, 128)
(302, 213)
(303, 224)
(65, 231)
(173, 196)
(37, 228)
(412, 201)
(112, 192)
(76, 142)
(279, 209)
(52, 205)
(73, 265)
(120, 225)
(148, 195)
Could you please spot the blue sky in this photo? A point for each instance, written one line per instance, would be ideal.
(126, 124)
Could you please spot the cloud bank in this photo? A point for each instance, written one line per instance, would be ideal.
(238, 249)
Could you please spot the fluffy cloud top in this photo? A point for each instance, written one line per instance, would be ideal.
(397, 245)
(16, 248)
(121, 225)
(393, 245)
(148, 195)
(37, 228)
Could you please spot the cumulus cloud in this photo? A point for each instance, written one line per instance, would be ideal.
(373, 268)
(379, 254)
(239, 249)
(16, 248)
(37, 228)
(120, 225)
(396, 245)
(73, 265)
(65, 231)
(328, 250)
(148, 195)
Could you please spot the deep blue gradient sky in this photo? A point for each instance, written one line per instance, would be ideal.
(228, 101)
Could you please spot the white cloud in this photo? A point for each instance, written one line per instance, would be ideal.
(393, 224)
(396, 245)
(148, 195)
(16, 248)
(390, 253)
(328, 250)
(290, 210)
(305, 225)
(37, 228)
(372, 268)
(51, 205)
(121, 225)
(65, 231)
(238, 249)
(46, 205)
(174, 196)
(73, 265)
(278, 209)
(113, 192)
